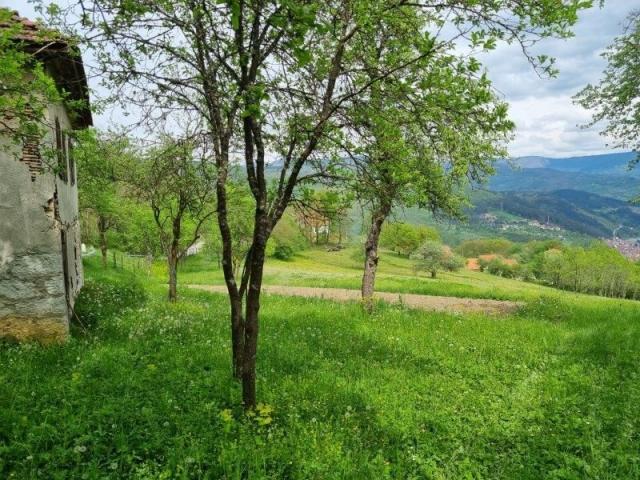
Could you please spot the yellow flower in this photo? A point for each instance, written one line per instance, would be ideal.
(226, 415)
(264, 410)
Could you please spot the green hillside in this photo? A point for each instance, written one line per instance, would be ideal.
(620, 186)
(549, 392)
(572, 210)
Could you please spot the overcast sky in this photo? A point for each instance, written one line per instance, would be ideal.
(548, 123)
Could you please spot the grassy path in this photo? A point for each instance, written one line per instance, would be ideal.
(425, 302)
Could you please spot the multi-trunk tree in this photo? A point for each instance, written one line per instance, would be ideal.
(176, 179)
(268, 77)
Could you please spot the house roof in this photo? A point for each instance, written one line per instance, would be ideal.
(62, 59)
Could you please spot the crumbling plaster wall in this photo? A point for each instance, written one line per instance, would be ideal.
(33, 304)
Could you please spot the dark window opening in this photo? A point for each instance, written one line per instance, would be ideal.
(72, 163)
(65, 264)
(61, 153)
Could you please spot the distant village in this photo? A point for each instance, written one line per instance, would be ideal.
(630, 248)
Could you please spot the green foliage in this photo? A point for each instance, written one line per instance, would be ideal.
(112, 217)
(328, 208)
(405, 238)
(497, 266)
(176, 180)
(288, 234)
(149, 395)
(25, 87)
(452, 262)
(106, 297)
(283, 251)
(597, 269)
(484, 246)
(433, 256)
(615, 99)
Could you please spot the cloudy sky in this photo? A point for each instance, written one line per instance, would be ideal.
(548, 123)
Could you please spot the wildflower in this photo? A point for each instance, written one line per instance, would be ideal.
(226, 415)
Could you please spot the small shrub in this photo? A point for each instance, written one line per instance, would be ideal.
(101, 300)
(453, 262)
(498, 267)
(283, 251)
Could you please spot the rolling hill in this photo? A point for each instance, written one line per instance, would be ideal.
(609, 163)
(573, 210)
(619, 186)
(574, 198)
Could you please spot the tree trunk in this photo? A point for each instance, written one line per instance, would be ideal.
(251, 325)
(102, 232)
(371, 255)
(172, 261)
(173, 255)
(433, 273)
(235, 298)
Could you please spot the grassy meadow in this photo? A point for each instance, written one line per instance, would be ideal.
(551, 392)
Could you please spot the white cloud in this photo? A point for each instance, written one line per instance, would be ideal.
(548, 122)
(546, 118)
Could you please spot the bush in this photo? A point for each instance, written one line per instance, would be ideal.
(453, 262)
(286, 240)
(500, 268)
(405, 238)
(103, 299)
(484, 246)
(283, 251)
(433, 256)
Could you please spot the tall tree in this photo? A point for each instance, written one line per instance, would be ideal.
(268, 76)
(176, 180)
(422, 136)
(616, 99)
(103, 159)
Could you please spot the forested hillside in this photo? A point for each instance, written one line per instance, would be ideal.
(573, 210)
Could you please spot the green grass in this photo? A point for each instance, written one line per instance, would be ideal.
(552, 392)
(318, 268)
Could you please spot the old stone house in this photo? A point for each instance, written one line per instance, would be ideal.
(40, 255)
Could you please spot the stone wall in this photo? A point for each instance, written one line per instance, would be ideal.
(35, 209)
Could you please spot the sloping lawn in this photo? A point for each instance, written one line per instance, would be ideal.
(553, 392)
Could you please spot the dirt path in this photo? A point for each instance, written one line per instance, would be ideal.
(425, 302)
